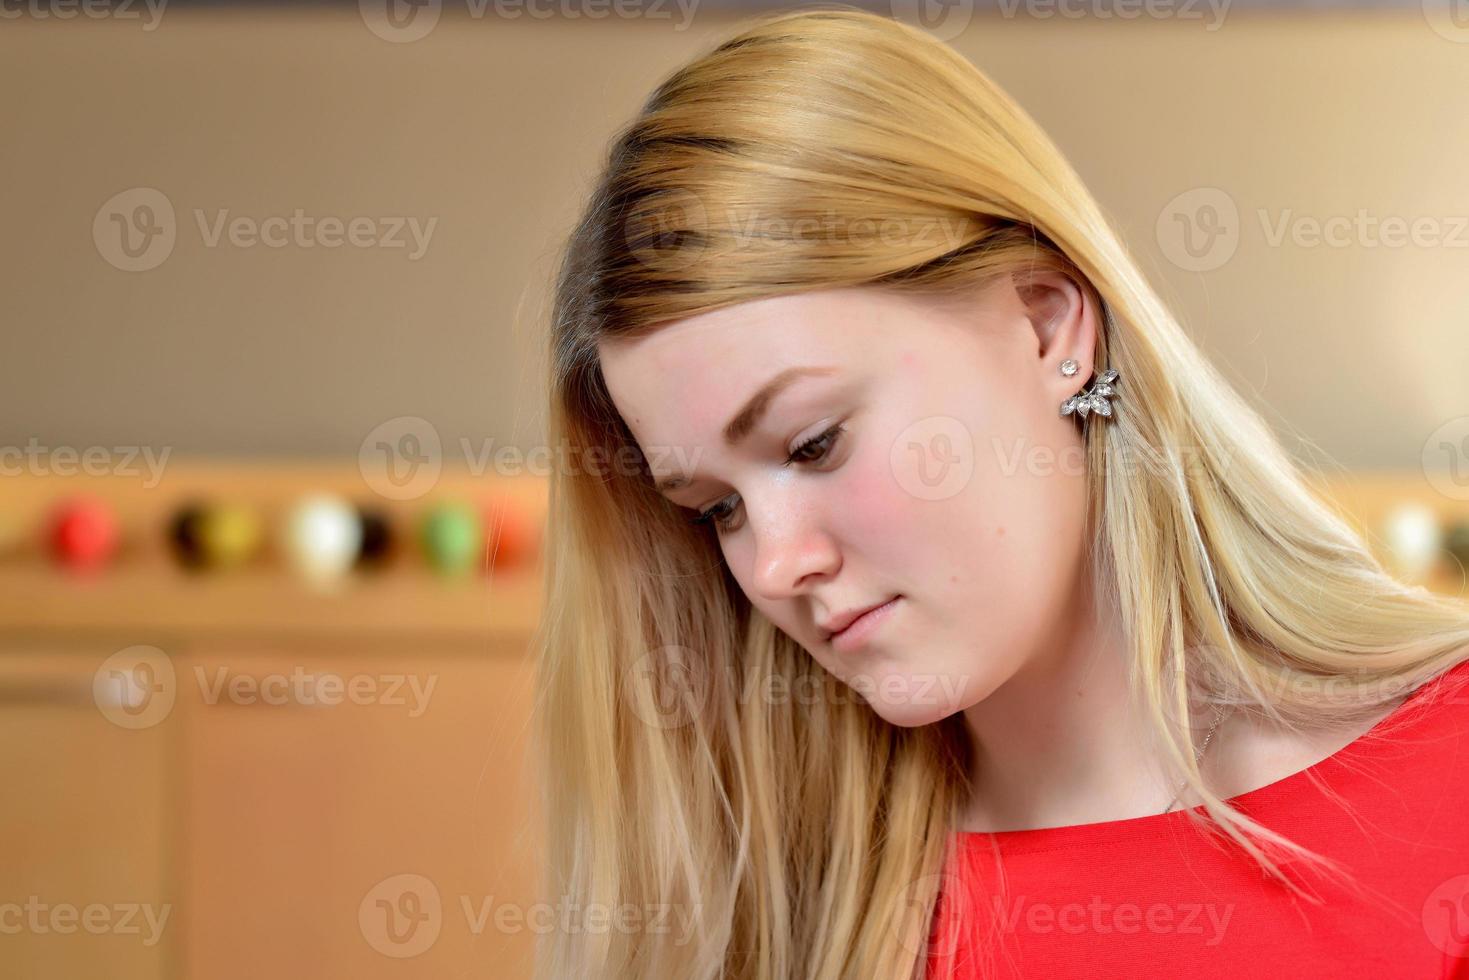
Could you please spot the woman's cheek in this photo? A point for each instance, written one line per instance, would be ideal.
(870, 501)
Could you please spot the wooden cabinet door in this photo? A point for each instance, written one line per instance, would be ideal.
(382, 834)
(84, 821)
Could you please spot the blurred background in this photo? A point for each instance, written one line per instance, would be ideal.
(273, 287)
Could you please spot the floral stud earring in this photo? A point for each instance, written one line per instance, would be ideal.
(1093, 399)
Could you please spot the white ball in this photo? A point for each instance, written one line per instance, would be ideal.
(1414, 539)
(322, 537)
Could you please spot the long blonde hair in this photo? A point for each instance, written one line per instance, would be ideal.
(805, 836)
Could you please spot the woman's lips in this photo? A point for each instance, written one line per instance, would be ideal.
(861, 629)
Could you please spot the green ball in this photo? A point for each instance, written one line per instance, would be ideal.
(452, 538)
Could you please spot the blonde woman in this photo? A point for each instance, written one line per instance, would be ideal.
(922, 603)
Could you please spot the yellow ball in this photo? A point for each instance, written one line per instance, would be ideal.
(229, 535)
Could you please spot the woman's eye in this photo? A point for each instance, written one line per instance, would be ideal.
(719, 515)
(826, 441)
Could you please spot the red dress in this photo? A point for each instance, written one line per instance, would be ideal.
(1154, 897)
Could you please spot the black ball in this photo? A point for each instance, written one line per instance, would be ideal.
(184, 535)
(1456, 542)
(377, 538)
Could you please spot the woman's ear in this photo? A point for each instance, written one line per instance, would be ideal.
(1064, 320)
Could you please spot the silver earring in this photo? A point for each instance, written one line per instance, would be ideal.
(1093, 399)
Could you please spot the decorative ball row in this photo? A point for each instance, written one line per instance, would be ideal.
(322, 536)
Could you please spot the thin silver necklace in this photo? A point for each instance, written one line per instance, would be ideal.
(1198, 757)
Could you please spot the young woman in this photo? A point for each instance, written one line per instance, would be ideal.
(920, 600)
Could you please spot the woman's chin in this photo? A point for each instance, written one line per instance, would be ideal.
(912, 717)
(909, 700)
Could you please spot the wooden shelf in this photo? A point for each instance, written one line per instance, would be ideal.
(144, 590)
(390, 605)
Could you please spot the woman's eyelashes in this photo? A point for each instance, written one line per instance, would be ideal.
(826, 440)
(814, 451)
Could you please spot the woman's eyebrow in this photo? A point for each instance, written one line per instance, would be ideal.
(748, 417)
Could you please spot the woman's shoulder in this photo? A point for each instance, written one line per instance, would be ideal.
(1416, 724)
(1438, 704)
(1415, 746)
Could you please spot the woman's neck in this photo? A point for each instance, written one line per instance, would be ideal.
(1062, 741)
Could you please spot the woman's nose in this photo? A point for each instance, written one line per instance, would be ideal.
(791, 547)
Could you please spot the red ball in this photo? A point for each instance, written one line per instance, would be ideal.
(510, 536)
(83, 533)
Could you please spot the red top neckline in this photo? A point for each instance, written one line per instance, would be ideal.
(1166, 825)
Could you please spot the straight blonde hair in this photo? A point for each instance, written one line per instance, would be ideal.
(805, 836)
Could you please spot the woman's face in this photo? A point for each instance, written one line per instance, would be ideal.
(911, 449)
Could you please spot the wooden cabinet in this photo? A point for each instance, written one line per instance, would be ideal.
(339, 786)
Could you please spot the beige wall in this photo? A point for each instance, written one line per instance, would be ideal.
(495, 127)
